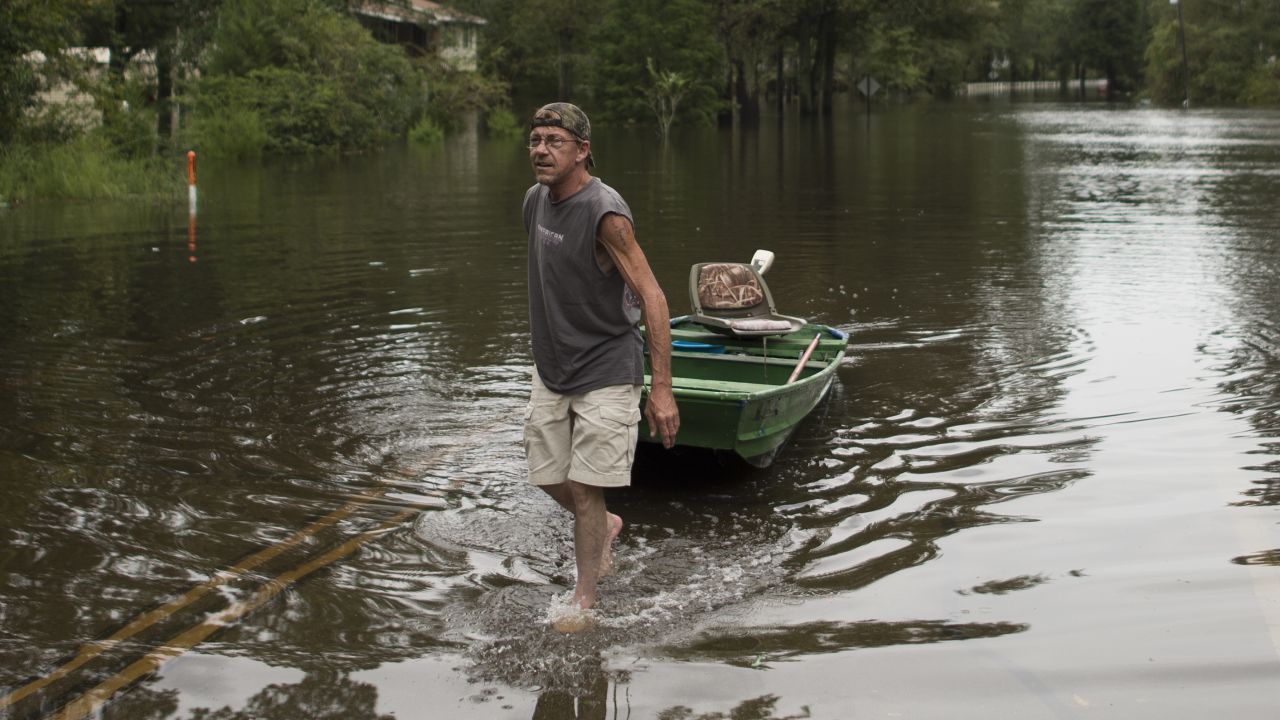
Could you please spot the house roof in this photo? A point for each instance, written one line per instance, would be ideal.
(416, 11)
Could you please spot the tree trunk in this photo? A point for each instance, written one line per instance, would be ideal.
(804, 75)
(780, 83)
(728, 96)
(827, 51)
(748, 108)
(119, 55)
(164, 92)
(565, 89)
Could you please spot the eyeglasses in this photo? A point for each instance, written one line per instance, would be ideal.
(553, 142)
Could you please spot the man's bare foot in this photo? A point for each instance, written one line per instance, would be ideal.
(569, 615)
(574, 622)
(606, 559)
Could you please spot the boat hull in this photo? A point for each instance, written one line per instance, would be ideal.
(733, 393)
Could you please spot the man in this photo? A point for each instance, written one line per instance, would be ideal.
(589, 287)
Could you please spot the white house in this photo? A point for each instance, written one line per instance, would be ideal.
(423, 27)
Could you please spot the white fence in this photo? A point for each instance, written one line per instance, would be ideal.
(1032, 86)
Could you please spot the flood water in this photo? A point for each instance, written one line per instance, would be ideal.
(268, 465)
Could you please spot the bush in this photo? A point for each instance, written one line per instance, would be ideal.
(297, 111)
(128, 125)
(87, 167)
(452, 94)
(236, 133)
(426, 132)
(1263, 86)
(501, 122)
(315, 78)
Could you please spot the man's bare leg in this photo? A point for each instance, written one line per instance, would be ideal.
(606, 558)
(590, 532)
(594, 530)
(564, 496)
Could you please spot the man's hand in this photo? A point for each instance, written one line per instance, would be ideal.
(661, 414)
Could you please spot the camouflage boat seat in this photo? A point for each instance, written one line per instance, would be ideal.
(733, 297)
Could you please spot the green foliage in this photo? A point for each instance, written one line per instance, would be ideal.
(1229, 54)
(1030, 33)
(18, 85)
(1107, 35)
(235, 133)
(666, 90)
(314, 78)
(542, 47)
(501, 122)
(676, 32)
(88, 167)
(452, 94)
(127, 124)
(931, 45)
(300, 112)
(1223, 60)
(895, 58)
(1262, 88)
(426, 132)
(26, 26)
(1164, 64)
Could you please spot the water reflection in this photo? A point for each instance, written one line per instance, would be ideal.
(564, 705)
(323, 695)
(760, 708)
(757, 647)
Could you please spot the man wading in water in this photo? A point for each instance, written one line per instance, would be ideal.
(589, 287)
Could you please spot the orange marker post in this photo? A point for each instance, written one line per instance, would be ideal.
(191, 181)
(191, 205)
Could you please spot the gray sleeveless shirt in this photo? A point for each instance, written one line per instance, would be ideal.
(583, 320)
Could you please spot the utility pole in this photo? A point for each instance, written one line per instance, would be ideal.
(1186, 75)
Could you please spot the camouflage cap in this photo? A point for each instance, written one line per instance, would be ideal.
(567, 116)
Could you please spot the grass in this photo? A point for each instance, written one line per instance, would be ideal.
(85, 168)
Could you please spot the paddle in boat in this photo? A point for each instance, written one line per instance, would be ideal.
(743, 375)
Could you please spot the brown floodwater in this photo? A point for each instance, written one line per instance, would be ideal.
(268, 464)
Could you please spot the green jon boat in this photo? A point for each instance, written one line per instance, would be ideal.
(744, 376)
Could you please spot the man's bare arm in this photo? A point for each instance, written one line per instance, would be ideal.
(618, 239)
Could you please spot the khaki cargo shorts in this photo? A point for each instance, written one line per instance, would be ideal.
(588, 438)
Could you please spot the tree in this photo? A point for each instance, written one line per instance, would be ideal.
(667, 90)
(1107, 35)
(1026, 31)
(173, 32)
(26, 26)
(752, 33)
(568, 22)
(312, 76)
(679, 35)
(1231, 51)
(538, 46)
(950, 33)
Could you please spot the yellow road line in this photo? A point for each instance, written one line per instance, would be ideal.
(91, 650)
(92, 700)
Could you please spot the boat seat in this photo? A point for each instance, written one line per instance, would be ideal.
(733, 298)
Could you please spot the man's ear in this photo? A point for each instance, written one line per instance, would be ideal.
(584, 150)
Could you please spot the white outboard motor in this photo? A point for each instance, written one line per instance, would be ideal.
(762, 261)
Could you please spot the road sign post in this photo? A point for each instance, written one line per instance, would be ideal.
(868, 86)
